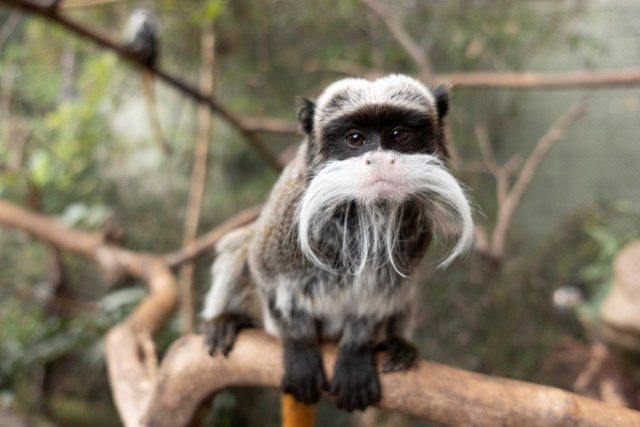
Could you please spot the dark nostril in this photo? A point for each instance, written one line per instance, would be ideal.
(393, 161)
(368, 162)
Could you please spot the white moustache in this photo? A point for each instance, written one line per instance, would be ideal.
(380, 182)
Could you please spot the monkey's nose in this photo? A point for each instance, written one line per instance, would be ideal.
(380, 159)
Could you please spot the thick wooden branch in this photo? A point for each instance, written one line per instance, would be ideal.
(450, 396)
(237, 122)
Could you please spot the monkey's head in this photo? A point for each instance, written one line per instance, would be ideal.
(379, 146)
(142, 35)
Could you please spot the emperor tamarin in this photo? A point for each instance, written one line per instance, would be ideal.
(332, 253)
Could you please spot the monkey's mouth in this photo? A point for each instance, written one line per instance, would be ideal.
(381, 182)
(381, 188)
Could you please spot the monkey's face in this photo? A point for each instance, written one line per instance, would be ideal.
(374, 129)
(380, 145)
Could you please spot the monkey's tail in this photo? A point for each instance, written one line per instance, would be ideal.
(152, 112)
(296, 414)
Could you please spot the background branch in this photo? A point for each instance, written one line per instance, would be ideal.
(512, 199)
(529, 80)
(198, 175)
(206, 242)
(413, 49)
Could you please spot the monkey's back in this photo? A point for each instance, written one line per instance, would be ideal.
(274, 249)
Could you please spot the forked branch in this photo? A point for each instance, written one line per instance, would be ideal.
(509, 196)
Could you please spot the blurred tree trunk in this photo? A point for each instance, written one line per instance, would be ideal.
(198, 175)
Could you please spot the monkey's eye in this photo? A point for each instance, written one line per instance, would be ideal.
(355, 138)
(400, 134)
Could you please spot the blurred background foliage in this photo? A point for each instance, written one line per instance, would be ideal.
(75, 142)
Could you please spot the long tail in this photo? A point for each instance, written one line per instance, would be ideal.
(296, 414)
(152, 112)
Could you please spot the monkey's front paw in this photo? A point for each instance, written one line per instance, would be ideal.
(221, 331)
(355, 380)
(401, 355)
(304, 376)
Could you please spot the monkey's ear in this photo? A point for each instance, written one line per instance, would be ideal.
(441, 95)
(306, 111)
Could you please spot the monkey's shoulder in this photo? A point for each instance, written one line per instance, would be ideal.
(275, 234)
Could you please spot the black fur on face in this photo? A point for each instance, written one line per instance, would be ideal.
(380, 126)
(417, 127)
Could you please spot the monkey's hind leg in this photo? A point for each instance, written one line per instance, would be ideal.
(221, 331)
(355, 382)
(231, 304)
(400, 355)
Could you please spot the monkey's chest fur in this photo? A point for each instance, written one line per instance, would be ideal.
(289, 282)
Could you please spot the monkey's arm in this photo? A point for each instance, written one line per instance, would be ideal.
(231, 303)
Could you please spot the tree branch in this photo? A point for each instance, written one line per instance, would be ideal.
(402, 37)
(512, 199)
(500, 173)
(431, 391)
(207, 241)
(103, 41)
(529, 80)
(270, 125)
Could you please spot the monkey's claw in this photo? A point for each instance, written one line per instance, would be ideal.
(355, 380)
(221, 331)
(401, 355)
(304, 376)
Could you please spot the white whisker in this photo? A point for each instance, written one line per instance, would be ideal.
(374, 240)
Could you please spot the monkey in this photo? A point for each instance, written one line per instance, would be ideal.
(142, 41)
(331, 256)
(141, 36)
